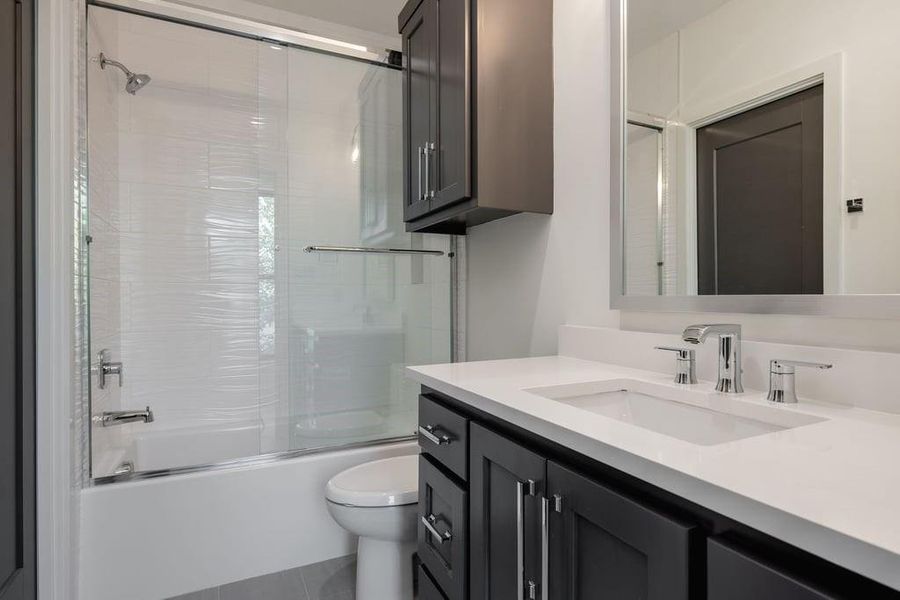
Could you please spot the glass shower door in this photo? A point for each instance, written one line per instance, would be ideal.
(206, 187)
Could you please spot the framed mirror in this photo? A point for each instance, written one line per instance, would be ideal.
(754, 160)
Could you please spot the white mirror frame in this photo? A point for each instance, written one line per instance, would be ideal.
(868, 306)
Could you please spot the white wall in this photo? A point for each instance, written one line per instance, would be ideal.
(529, 274)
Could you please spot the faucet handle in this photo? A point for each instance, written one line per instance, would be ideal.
(685, 364)
(781, 366)
(683, 353)
(782, 386)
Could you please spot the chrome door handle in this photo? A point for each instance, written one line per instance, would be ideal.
(520, 540)
(439, 537)
(419, 162)
(545, 548)
(429, 433)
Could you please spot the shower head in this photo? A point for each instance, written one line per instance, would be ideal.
(135, 80)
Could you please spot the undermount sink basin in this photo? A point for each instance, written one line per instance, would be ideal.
(687, 414)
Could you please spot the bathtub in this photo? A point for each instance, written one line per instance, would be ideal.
(156, 538)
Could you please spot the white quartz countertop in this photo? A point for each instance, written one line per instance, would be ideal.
(831, 488)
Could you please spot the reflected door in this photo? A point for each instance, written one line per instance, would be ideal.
(759, 199)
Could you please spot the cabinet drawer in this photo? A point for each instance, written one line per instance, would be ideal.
(428, 589)
(734, 575)
(444, 434)
(443, 529)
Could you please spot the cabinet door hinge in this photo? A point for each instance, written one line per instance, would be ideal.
(531, 487)
(532, 589)
(557, 503)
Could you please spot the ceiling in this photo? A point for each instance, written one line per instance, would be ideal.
(379, 16)
(650, 21)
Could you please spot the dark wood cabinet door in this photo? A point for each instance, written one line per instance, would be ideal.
(605, 545)
(443, 529)
(452, 158)
(17, 468)
(734, 575)
(506, 482)
(419, 108)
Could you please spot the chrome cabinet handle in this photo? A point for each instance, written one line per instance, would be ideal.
(427, 172)
(429, 433)
(520, 539)
(545, 548)
(439, 537)
(429, 162)
(421, 154)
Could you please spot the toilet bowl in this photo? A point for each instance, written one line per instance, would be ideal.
(378, 501)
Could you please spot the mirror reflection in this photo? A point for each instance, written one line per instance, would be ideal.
(759, 156)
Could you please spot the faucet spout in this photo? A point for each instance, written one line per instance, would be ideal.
(729, 379)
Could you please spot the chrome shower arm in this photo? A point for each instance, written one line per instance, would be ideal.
(108, 61)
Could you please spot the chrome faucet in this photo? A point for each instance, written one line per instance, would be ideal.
(120, 417)
(782, 386)
(729, 378)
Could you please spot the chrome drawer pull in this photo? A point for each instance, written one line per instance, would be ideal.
(429, 433)
(439, 537)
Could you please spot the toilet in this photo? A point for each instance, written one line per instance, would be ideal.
(378, 501)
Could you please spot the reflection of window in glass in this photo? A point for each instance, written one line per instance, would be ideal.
(267, 250)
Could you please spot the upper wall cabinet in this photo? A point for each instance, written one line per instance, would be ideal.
(478, 111)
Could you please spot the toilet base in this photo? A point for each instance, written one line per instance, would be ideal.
(384, 570)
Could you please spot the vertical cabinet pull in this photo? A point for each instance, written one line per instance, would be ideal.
(421, 154)
(431, 152)
(545, 548)
(520, 540)
(427, 171)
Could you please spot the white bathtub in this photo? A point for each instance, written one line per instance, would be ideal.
(169, 448)
(152, 539)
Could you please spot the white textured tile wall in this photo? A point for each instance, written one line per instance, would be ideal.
(208, 184)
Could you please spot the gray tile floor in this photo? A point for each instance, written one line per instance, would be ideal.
(329, 580)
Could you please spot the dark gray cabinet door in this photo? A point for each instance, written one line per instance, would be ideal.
(733, 575)
(443, 529)
(505, 482)
(428, 589)
(419, 108)
(605, 545)
(452, 159)
(17, 471)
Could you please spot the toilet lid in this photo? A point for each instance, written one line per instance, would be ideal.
(386, 482)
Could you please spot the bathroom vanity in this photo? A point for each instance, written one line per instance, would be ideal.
(564, 478)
